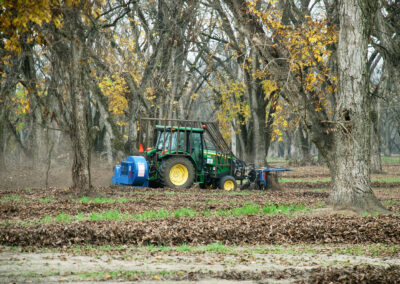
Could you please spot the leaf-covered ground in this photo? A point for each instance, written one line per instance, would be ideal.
(199, 235)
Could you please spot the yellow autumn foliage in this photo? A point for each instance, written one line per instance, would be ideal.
(308, 46)
(269, 87)
(20, 17)
(19, 102)
(115, 89)
(232, 104)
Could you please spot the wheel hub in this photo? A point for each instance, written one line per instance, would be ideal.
(178, 174)
(229, 185)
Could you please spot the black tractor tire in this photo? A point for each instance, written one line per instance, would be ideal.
(182, 175)
(227, 183)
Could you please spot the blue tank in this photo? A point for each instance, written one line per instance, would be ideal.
(134, 171)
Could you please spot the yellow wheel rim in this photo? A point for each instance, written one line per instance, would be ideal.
(178, 174)
(229, 185)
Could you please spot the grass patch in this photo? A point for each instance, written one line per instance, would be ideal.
(276, 160)
(253, 209)
(62, 217)
(323, 189)
(366, 214)
(46, 219)
(391, 202)
(152, 214)
(86, 199)
(374, 249)
(319, 204)
(108, 215)
(283, 209)
(44, 200)
(388, 180)
(184, 247)
(390, 159)
(113, 214)
(80, 217)
(247, 209)
(295, 249)
(10, 197)
(185, 212)
(215, 247)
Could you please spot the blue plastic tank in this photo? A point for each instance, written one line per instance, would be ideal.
(133, 171)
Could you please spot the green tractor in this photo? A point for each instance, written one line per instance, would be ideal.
(179, 153)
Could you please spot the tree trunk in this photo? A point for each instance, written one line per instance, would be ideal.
(79, 131)
(2, 138)
(304, 145)
(376, 165)
(275, 150)
(386, 137)
(38, 141)
(350, 166)
(50, 146)
(36, 135)
(258, 142)
(287, 141)
(258, 113)
(242, 142)
(132, 130)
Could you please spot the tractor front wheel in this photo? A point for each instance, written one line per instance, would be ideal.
(228, 183)
(177, 172)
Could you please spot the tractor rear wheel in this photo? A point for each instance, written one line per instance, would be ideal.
(177, 172)
(227, 183)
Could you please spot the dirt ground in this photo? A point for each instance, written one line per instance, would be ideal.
(241, 265)
(315, 245)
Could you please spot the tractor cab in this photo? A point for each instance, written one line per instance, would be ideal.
(170, 140)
